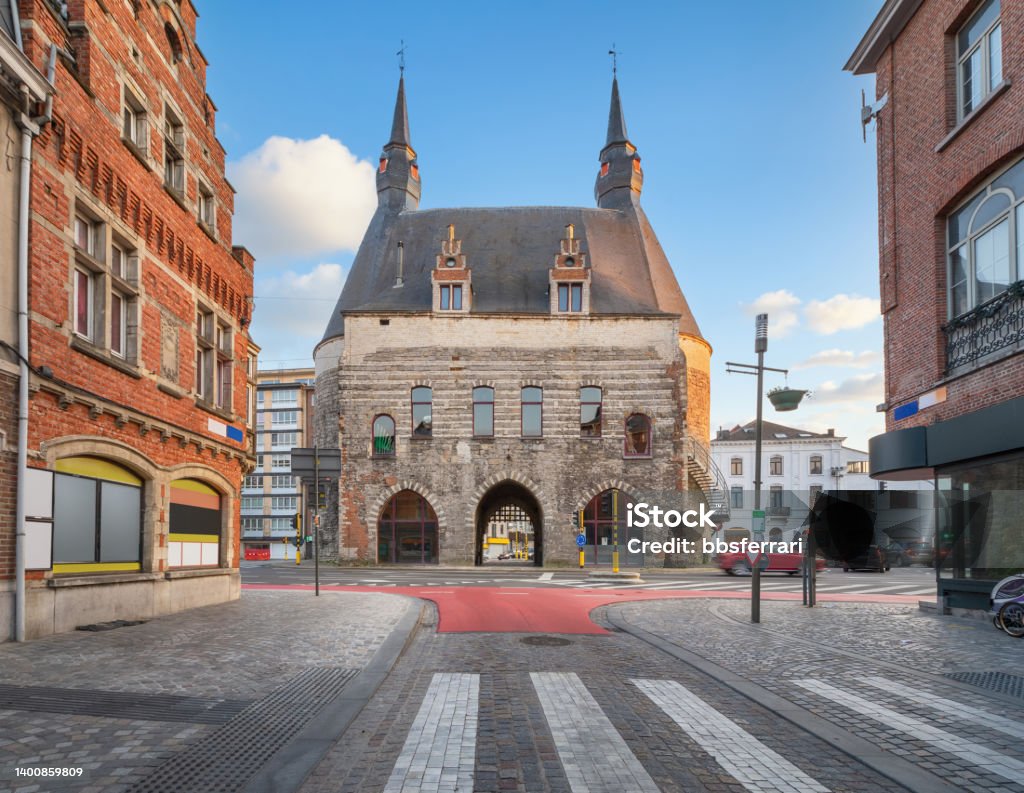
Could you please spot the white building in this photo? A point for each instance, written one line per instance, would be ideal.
(796, 466)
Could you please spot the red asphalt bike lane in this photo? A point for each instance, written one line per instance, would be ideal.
(479, 609)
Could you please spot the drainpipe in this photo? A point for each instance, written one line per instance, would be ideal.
(29, 129)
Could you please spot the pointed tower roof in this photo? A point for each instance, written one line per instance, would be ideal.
(398, 175)
(616, 119)
(400, 125)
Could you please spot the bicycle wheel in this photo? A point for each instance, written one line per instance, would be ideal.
(1012, 618)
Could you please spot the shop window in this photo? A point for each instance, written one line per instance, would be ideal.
(407, 530)
(195, 524)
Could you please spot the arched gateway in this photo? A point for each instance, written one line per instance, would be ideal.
(509, 523)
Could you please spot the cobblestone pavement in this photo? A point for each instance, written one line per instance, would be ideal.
(879, 671)
(235, 653)
(608, 734)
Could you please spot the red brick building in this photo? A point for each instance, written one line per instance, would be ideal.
(951, 239)
(139, 309)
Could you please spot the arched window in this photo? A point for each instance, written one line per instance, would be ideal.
(97, 516)
(775, 465)
(483, 412)
(816, 464)
(173, 41)
(407, 530)
(736, 466)
(590, 412)
(532, 421)
(383, 436)
(638, 436)
(775, 535)
(422, 412)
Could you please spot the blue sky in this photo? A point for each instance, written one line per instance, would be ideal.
(756, 179)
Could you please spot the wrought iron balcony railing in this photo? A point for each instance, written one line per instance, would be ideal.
(990, 328)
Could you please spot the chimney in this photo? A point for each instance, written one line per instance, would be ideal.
(831, 432)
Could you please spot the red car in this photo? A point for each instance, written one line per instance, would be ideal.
(738, 564)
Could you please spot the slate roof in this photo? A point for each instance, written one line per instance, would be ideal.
(510, 251)
(770, 431)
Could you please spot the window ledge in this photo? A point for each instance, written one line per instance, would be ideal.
(988, 100)
(170, 390)
(101, 579)
(209, 407)
(177, 195)
(88, 348)
(90, 262)
(638, 457)
(135, 149)
(199, 572)
(206, 227)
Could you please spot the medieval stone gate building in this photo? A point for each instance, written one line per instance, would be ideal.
(523, 361)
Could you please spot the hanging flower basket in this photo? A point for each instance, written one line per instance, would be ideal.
(784, 399)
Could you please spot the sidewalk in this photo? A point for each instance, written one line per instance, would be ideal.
(945, 694)
(219, 688)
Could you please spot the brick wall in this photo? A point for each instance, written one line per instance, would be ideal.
(919, 186)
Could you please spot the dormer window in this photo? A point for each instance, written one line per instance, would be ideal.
(451, 297)
(570, 298)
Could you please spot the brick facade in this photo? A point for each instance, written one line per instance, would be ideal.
(924, 172)
(159, 241)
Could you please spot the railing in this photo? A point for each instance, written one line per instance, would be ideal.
(989, 328)
(714, 484)
(779, 512)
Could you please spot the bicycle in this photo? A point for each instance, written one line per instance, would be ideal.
(1007, 605)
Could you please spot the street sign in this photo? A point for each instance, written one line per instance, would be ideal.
(305, 462)
(581, 540)
(752, 555)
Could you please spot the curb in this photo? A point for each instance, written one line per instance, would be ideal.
(900, 771)
(287, 769)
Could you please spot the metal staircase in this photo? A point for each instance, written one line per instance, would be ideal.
(701, 467)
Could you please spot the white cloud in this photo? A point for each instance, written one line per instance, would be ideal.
(780, 307)
(292, 311)
(867, 389)
(300, 198)
(842, 312)
(836, 357)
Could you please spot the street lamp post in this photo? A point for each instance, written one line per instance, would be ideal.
(757, 529)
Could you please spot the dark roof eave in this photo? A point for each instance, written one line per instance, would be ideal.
(886, 26)
(383, 311)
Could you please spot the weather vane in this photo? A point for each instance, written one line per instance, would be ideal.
(615, 59)
(401, 57)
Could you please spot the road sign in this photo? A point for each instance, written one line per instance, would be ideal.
(752, 555)
(307, 462)
(581, 540)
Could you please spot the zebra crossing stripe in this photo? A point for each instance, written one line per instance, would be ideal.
(753, 764)
(987, 759)
(949, 706)
(594, 756)
(439, 754)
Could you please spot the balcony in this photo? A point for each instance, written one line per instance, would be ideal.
(778, 512)
(992, 328)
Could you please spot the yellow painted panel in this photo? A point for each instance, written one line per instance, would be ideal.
(97, 567)
(97, 468)
(194, 485)
(193, 538)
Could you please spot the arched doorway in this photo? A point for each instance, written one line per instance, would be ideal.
(604, 522)
(407, 530)
(509, 522)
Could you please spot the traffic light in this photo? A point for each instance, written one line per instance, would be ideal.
(298, 540)
(297, 521)
(321, 495)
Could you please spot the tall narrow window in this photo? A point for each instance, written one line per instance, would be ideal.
(775, 497)
(422, 419)
(205, 207)
(483, 412)
(532, 412)
(979, 48)
(775, 466)
(590, 412)
(736, 497)
(736, 466)
(133, 129)
(83, 303)
(117, 324)
(174, 152)
(86, 234)
(638, 436)
(383, 436)
(451, 297)
(816, 464)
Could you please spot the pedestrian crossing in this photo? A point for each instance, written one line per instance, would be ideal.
(439, 752)
(768, 584)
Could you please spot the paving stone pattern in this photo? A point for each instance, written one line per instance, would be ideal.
(235, 651)
(850, 647)
(516, 746)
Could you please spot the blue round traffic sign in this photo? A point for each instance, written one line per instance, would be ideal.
(581, 540)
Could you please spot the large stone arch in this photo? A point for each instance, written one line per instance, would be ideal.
(391, 491)
(229, 550)
(533, 492)
(607, 484)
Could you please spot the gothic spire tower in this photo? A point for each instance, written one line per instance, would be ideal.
(398, 174)
(620, 179)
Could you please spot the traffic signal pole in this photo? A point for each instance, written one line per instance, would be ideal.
(316, 522)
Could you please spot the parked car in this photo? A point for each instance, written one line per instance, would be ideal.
(873, 559)
(738, 564)
(922, 553)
